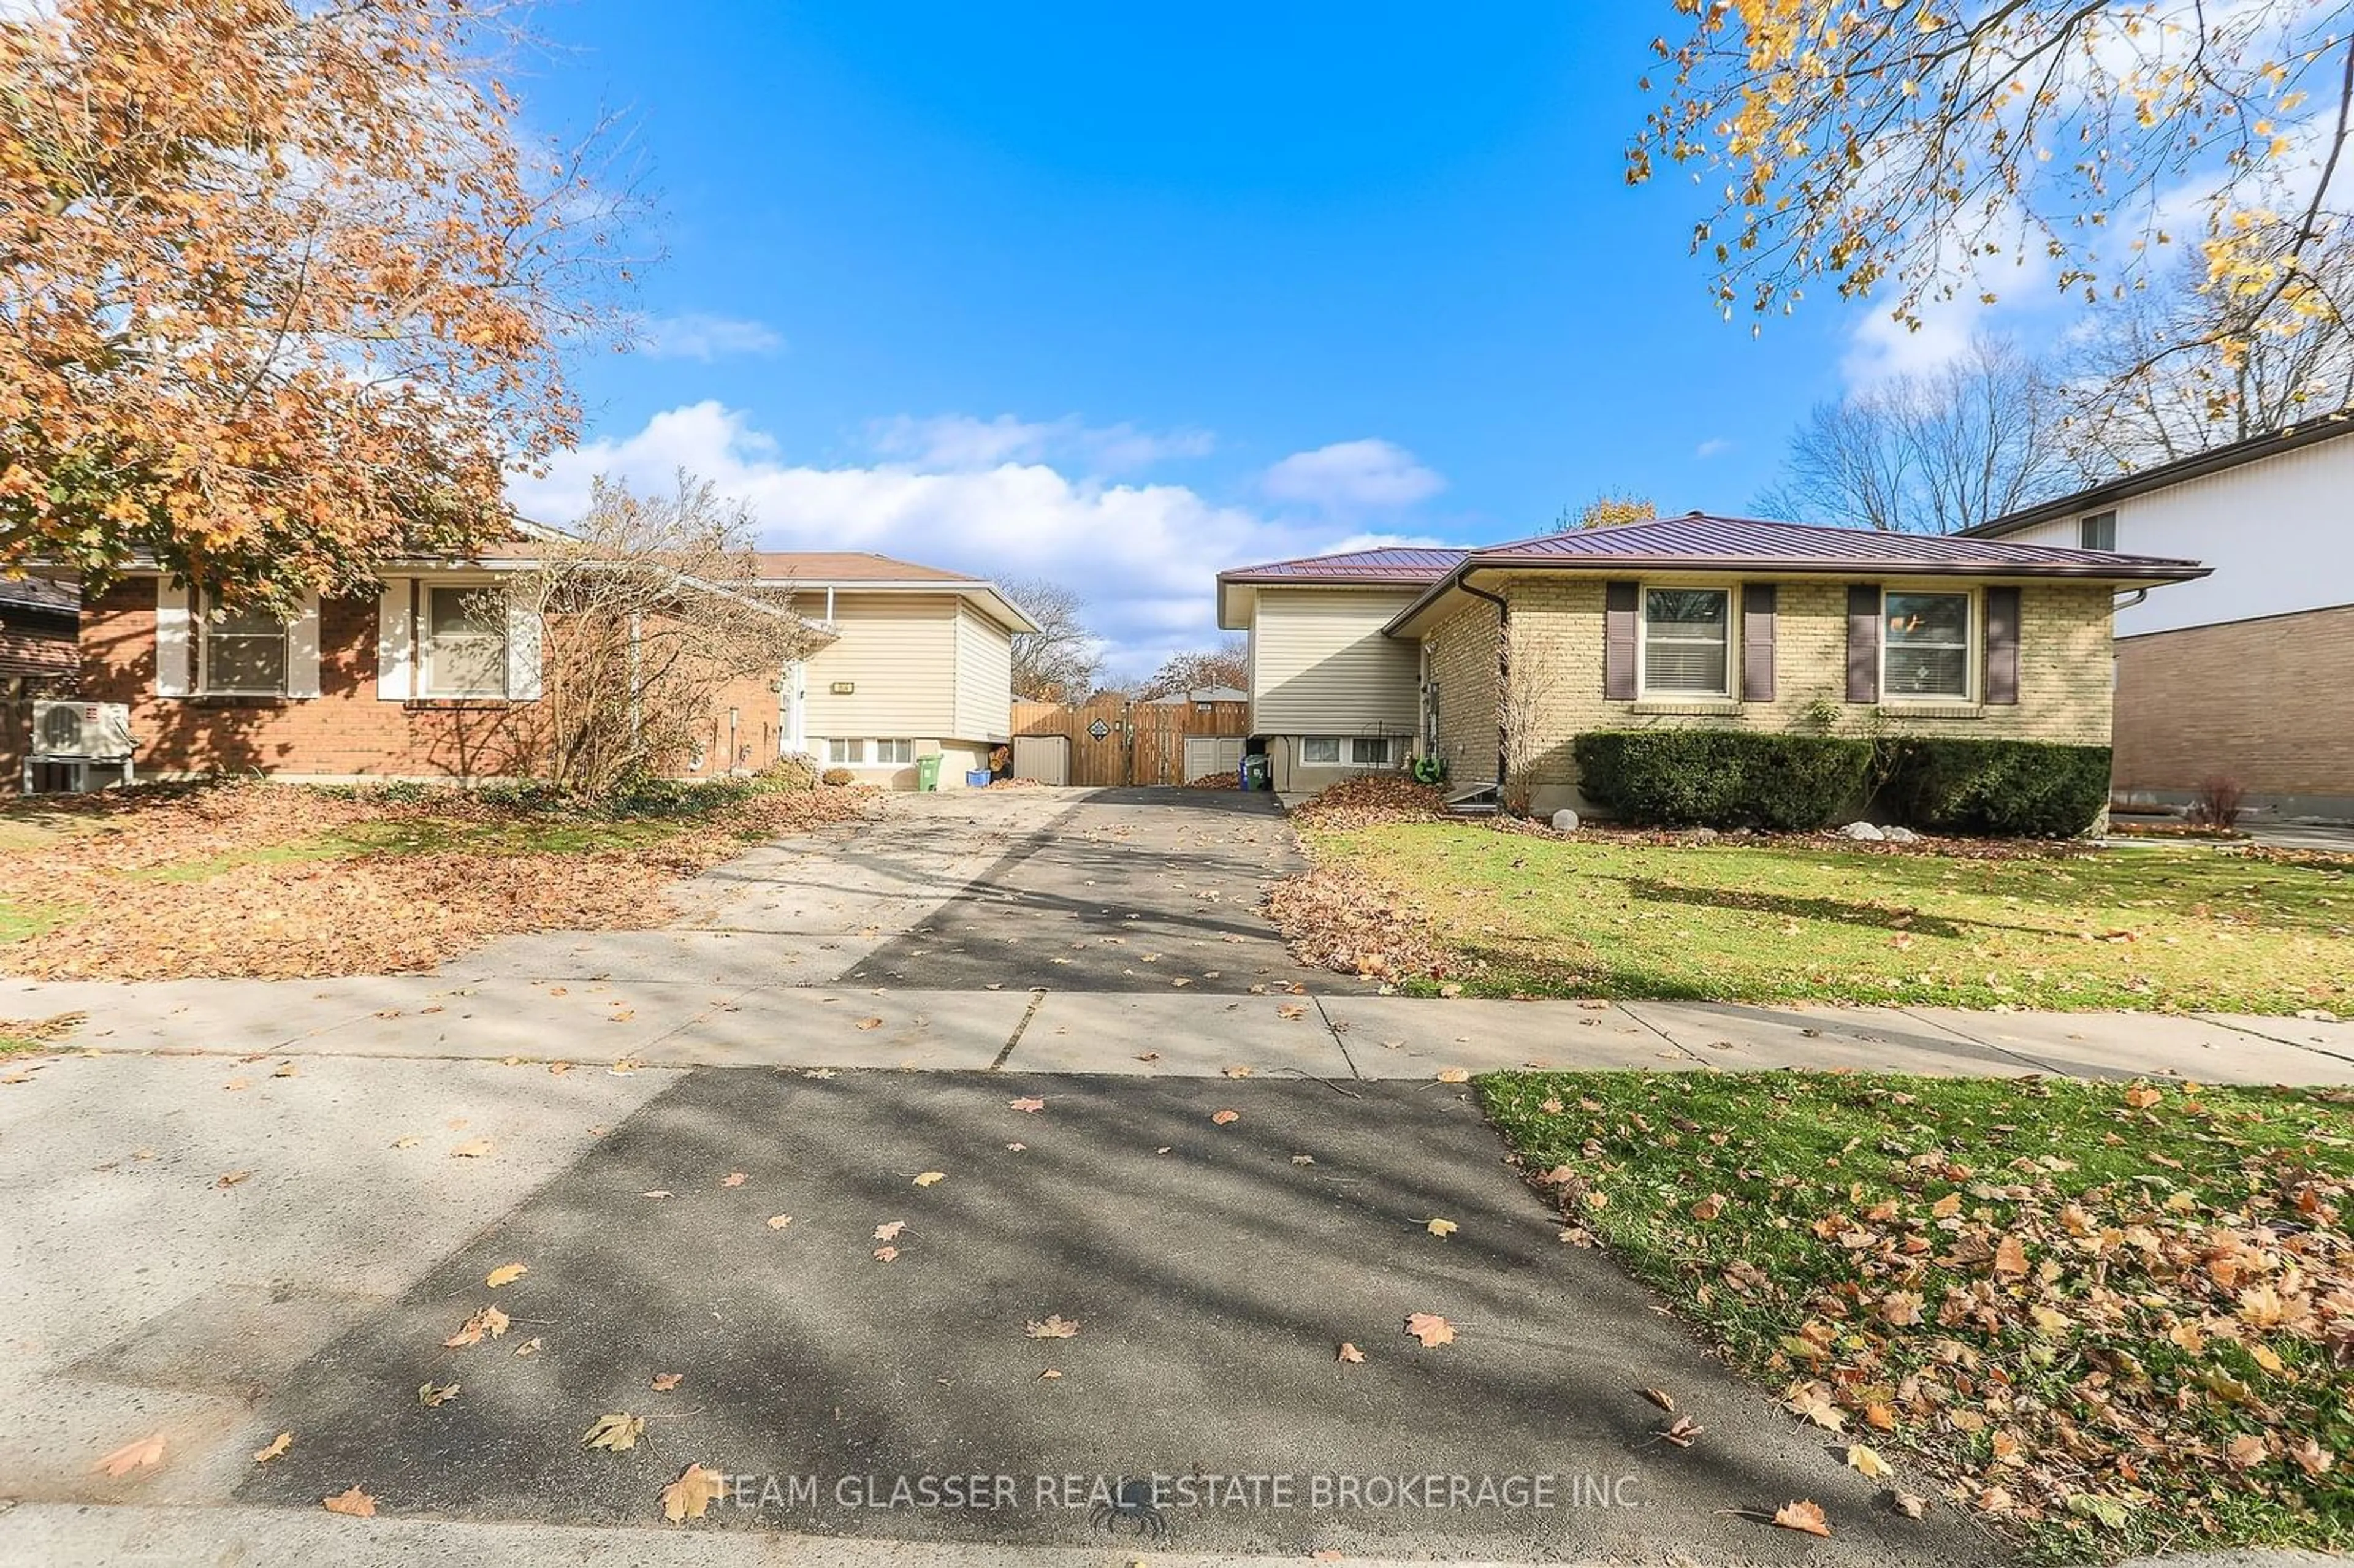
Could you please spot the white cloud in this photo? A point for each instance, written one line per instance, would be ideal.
(1369, 475)
(1716, 446)
(693, 335)
(963, 441)
(1143, 556)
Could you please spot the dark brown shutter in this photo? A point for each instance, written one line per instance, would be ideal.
(1621, 602)
(1863, 643)
(1757, 642)
(2002, 645)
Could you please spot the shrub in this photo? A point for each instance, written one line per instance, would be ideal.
(1722, 778)
(837, 776)
(2000, 789)
(793, 770)
(2218, 803)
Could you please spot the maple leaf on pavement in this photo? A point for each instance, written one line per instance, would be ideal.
(1806, 1516)
(1054, 1326)
(275, 1447)
(1430, 1328)
(695, 1491)
(505, 1273)
(615, 1431)
(1026, 1104)
(354, 1503)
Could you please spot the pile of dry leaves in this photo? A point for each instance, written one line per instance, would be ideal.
(1369, 800)
(254, 880)
(1336, 919)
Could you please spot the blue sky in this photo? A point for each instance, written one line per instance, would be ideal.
(1121, 297)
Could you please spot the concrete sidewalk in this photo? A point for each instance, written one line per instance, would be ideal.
(1165, 1033)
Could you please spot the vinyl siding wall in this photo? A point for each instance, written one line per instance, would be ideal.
(984, 677)
(1320, 665)
(899, 652)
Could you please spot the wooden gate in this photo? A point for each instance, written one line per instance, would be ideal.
(1115, 742)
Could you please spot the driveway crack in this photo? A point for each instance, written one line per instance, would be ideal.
(1029, 1012)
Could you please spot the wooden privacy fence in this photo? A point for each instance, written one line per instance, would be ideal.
(1139, 743)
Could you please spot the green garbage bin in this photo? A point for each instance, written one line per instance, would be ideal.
(928, 770)
(1256, 772)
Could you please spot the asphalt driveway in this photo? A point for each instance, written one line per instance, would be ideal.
(1211, 1269)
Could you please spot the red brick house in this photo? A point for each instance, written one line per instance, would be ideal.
(433, 678)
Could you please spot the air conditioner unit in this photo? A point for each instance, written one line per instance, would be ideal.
(92, 732)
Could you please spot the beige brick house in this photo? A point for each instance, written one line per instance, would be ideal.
(1494, 660)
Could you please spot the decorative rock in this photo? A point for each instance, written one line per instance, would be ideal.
(1703, 836)
(1900, 835)
(1863, 831)
(1564, 820)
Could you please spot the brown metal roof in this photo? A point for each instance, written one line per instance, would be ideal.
(1405, 565)
(1699, 541)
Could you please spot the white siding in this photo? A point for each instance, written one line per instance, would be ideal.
(984, 677)
(899, 652)
(2279, 532)
(1320, 665)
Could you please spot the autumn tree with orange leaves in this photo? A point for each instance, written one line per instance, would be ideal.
(284, 292)
(1915, 150)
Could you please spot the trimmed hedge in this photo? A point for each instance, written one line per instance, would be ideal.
(1795, 783)
(1723, 778)
(2001, 788)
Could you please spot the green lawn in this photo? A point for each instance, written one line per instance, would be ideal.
(2163, 926)
(2111, 1320)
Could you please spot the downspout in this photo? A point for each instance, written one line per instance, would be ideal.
(2138, 595)
(1504, 674)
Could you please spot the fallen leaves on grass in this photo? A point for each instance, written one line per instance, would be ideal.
(615, 1432)
(1339, 919)
(1053, 1327)
(136, 1455)
(1430, 1328)
(352, 1503)
(1806, 1516)
(393, 886)
(696, 1489)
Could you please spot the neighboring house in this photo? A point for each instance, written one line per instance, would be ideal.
(2247, 675)
(38, 624)
(433, 678)
(1199, 695)
(1496, 659)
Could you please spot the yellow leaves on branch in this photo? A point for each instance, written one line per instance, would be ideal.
(277, 393)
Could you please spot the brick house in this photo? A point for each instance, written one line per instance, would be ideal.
(1496, 659)
(433, 677)
(2249, 674)
(38, 623)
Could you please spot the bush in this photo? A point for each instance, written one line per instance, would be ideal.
(2218, 803)
(1999, 789)
(1724, 779)
(793, 770)
(837, 776)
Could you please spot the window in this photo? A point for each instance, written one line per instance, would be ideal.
(465, 642)
(1351, 750)
(1684, 632)
(2098, 532)
(243, 654)
(844, 753)
(894, 751)
(1926, 651)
